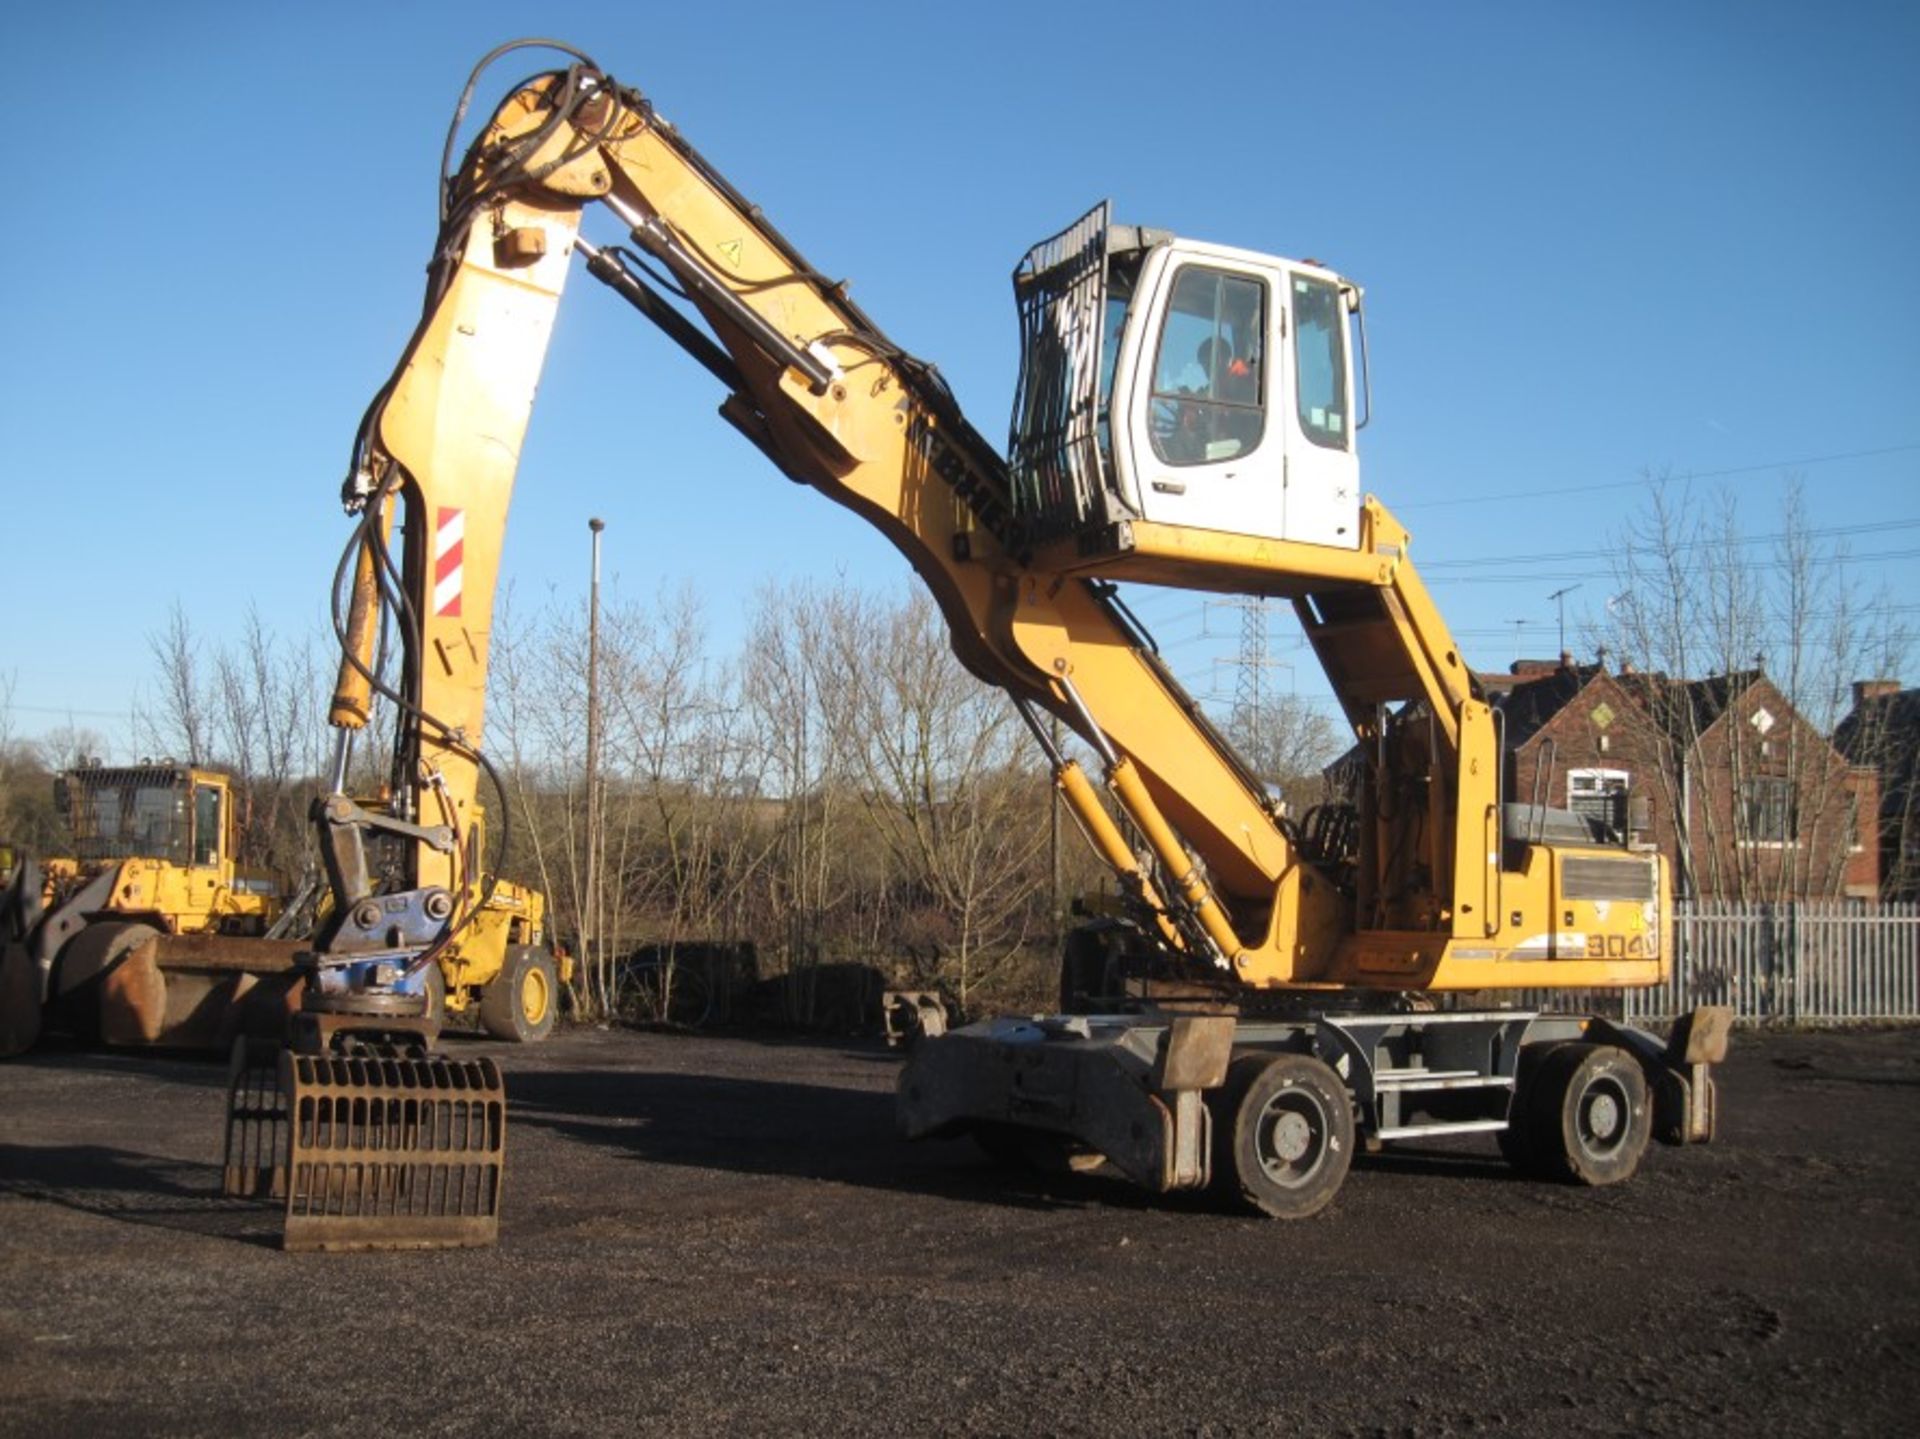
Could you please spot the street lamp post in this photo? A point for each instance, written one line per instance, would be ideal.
(590, 906)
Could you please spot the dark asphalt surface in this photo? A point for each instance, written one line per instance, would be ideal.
(724, 1236)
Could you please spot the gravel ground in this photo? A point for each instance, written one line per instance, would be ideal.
(710, 1235)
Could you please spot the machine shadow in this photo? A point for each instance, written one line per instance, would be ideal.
(794, 1130)
(136, 1189)
(847, 1136)
(190, 1069)
(1434, 1163)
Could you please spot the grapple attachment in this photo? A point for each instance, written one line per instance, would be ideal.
(371, 1147)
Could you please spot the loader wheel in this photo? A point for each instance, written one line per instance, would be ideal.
(1282, 1134)
(1587, 1119)
(19, 999)
(524, 997)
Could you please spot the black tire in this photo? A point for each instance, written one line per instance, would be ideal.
(1588, 1118)
(1516, 1140)
(523, 999)
(1282, 1134)
(19, 999)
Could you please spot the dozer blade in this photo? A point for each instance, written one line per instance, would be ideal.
(396, 1150)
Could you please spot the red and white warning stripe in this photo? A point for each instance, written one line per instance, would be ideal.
(449, 535)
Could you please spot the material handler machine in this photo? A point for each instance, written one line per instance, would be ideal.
(1185, 416)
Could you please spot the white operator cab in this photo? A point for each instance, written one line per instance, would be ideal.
(1235, 398)
(1224, 393)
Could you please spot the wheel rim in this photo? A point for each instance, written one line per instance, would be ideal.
(1603, 1116)
(1291, 1138)
(534, 996)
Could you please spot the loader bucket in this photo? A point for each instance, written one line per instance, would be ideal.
(371, 1150)
(198, 991)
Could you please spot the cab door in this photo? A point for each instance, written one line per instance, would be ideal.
(208, 876)
(1204, 453)
(1322, 471)
(209, 833)
(1240, 410)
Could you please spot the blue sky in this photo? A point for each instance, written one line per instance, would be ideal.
(1597, 241)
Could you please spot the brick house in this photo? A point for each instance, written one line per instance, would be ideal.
(1745, 798)
(1577, 739)
(1883, 732)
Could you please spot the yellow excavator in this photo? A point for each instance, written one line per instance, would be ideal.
(1185, 416)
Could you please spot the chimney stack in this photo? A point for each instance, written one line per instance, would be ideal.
(1864, 690)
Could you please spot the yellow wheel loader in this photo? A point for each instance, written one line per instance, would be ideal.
(152, 933)
(1185, 416)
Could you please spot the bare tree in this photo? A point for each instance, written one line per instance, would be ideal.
(28, 821)
(795, 695)
(181, 724)
(1288, 743)
(939, 760)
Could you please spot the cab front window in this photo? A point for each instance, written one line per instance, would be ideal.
(1209, 384)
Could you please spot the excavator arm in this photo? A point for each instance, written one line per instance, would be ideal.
(819, 389)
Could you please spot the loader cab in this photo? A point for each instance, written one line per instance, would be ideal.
(173, 814)
(1184, 384)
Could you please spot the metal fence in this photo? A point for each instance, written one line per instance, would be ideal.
(1814, 962)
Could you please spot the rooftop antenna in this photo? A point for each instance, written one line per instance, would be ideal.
(1559, 597)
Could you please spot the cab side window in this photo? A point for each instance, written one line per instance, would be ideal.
(1209, 380)
(1320, 361)
(206, 825)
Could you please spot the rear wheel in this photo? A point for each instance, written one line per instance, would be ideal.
(1282, 1134)
(1587, 1117)
(524, 997)
(19, 999)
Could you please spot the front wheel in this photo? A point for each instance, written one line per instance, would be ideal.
(1282, 1134)
(521, 1002)
(1586, 1114)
